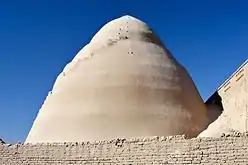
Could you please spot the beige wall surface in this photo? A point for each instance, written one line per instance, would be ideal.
(234, 95)
(230, 149)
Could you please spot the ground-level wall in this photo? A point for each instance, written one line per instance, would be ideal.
(230, 149)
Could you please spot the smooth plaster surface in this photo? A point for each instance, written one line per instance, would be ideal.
(124, 83)
(234, 94)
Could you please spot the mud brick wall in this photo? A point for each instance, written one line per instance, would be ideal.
(234, 94)
(229, 149)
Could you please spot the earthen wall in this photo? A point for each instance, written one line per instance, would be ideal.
(234, 92)
(230, 149)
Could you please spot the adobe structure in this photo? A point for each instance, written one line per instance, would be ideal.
(231, 100)
(124, 99)
(124, 83)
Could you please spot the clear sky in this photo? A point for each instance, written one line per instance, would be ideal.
(38, 38)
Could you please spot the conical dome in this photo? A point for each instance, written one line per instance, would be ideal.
(124, 83)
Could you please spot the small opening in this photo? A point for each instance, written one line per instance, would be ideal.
(239, 77)
(226, 84)
(227, 89)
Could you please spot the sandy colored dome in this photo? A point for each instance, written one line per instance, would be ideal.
(124, 83)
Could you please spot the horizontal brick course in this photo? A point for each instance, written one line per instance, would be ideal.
(229, 149)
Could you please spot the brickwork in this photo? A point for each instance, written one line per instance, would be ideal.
(230, 149)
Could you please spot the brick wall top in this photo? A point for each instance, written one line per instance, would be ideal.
(142, 139)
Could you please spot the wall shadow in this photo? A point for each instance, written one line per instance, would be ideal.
(214, 106)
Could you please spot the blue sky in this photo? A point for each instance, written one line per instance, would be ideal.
(38, 38)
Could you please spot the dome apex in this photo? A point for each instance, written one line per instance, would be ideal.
(128, 17)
